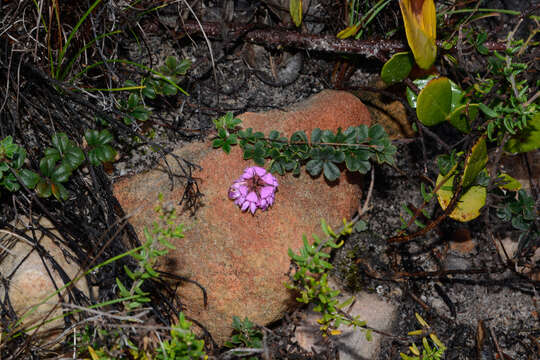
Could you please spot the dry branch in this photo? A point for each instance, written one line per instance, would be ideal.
(278, 38)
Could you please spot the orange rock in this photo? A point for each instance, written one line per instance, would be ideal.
(242, 259)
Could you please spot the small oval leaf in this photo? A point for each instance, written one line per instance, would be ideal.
(397, 68)
(433, 103)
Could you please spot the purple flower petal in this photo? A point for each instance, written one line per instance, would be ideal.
(267, 191)
(269, 179)
(245, 205)
(252, 196)
(233, 194)
(253, 208)
(259, 171)
(243, 190)
(248, 173)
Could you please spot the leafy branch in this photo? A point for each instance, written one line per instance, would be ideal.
(323, 152)
(57, 164)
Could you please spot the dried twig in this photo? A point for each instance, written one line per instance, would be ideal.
(324, 43)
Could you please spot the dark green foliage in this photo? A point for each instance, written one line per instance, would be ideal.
(134, 109)
(245, 334)
(100, 150)
(56, 166)
(183, 344)
(521, 212)
(325, 153)
(11, 157)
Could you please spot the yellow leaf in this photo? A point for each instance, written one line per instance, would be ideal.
(93, 354)
(420, 23)
(469, 204)
(348, 32)
(335, 332)
(295, 8)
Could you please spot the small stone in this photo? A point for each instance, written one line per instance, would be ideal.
(30, 283)
(241, 259)
(352, 343)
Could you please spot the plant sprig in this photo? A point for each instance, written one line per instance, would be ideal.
(323, 152)
(311, 281)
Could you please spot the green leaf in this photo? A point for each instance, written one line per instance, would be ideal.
(274, 135)
(462, 117)
(141, 113)
(295, 9)
(60, 141)
(331, 171)
(458, 96)
(376, 132)
(528, 139)
(338, 156)
(61, 173)
(217, 143)
(299, 136)
(277, 167)
(397, 68)
(360, 226)
(357, 161)
(43, 189)
(488, 111)
(73, 157)
(29, 178)
(91, 136)
(433, 104)
(316, 135)
(149, 92)
(328, 136)
(53, 154)
(168, 89)
(18, 157)
(10, 182)
(47, 165)
(475, 163)
(170, 63)
(314, 167)
(102, 153)
(103, 137)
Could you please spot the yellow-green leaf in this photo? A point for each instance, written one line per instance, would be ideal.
(348, 31)
(528, 139)
(469, 204)
(420, 22)
(434, 102)
(475, 163)
(462, 116)
(509, 182)
(295, 8)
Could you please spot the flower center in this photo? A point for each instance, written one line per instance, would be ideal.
(255, 184)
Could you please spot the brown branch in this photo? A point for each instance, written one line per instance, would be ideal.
(278, 38)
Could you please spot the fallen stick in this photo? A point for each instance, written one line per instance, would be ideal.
(281, 38)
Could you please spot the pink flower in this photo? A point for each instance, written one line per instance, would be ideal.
(254, 190)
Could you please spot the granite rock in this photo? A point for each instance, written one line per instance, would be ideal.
(241, 259)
